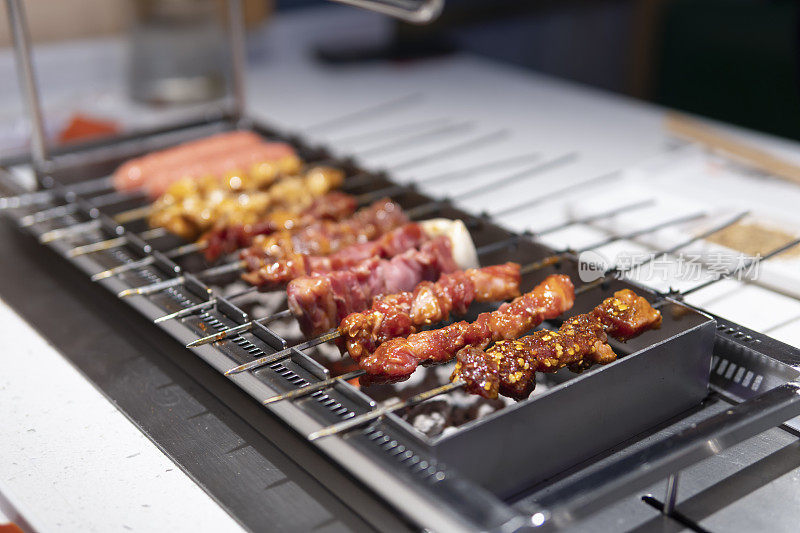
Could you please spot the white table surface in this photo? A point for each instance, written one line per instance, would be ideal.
(73, 462)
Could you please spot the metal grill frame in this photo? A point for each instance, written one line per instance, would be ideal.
(425, 484)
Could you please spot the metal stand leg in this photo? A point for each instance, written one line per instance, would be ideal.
(27, 80)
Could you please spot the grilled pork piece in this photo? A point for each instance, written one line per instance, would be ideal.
(321, 301)
(225, 239)
(396, 359)
(293, 265)
(325, 237)
(509, 367)
(401, 314)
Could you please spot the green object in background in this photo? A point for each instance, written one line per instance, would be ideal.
(735, 61)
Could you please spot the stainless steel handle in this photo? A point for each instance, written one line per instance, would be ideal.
(636, 471)
(413, 11)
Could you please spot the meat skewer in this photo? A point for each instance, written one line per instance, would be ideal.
(335, 206)
(336, 293)
(396, 359)
(531, 267)
(364, 177)
(581, 220)
(625, 314)
(556, 289)
(227, 238)
(189, 207)
(369, 222)
(310, 389)
(279, 242)
(448, 387)
(509, 367)
(321, 301)
(364, 198)
(156, 208)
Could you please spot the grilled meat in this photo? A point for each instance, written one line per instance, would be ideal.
(190, 215)
(401, 314)
(225, 239)
(293, 265)
(509, 367)
(325, 237)
(396, 359)
(321, 301)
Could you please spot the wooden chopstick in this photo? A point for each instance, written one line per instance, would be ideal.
(746, 154)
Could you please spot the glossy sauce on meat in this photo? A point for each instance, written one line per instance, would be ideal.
(397, 359)
(401, 314)
(509, 367)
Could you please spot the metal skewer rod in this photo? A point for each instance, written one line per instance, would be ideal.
(553, 259)
(598, 216)
(149, 260)
(365, 113)
(447, 176)
(116, 242)
(172, 282)
(314, 387)
(527, 204)
(414, 139)
(203, 305)
(644, 231)
(95, 224)
(384, 410)
(247, 326)
(393, 130)
(283, 354)
(724, 275)
(669, 251)
(454, 149)
(529, 172)
(366, 177)
(495, 164)
(37, 197)
(69, 209)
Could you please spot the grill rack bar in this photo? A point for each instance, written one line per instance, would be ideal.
(499, 514)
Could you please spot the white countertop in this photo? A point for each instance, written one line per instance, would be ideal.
(73, 462)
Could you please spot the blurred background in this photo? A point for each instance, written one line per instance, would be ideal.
(733, 60)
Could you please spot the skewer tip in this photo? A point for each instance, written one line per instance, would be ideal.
(236, 370)
(127, 293)
(201, 342)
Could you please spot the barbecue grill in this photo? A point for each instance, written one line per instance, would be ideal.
(537, 450)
